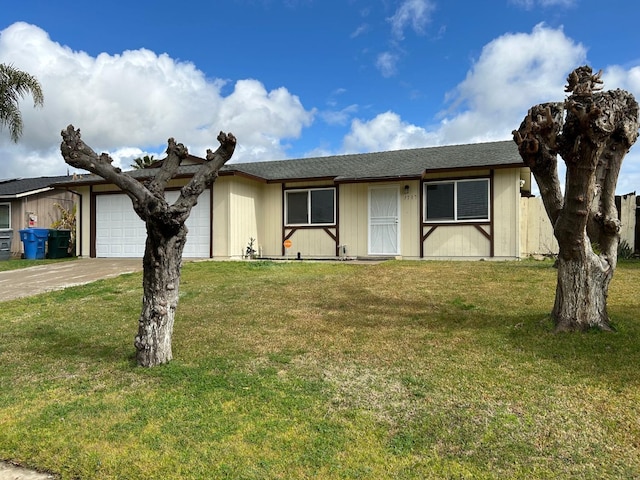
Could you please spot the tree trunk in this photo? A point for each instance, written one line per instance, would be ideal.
(166, 230)
(592, 131)
(161, 285)
(581, 294)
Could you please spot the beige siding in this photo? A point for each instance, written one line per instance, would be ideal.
(270, 220)
(312, 242)
(466, 241)
(456, 241)
(410, 220)
(354, 214)
(354, 218)
(83, 223)
(309, 242)
(244, 198)
(220, 213)
(506, 204)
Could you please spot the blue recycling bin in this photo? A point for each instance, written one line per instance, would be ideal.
(35, 242)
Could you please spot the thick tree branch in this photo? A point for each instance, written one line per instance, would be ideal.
(78, 154)
(537, 143)
(176, 153)
(207, 173)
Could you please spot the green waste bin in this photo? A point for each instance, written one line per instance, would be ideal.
(59, 243)
(5, 244)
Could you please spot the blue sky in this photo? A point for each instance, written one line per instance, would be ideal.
(297, 78)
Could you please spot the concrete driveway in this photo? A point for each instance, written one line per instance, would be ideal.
(57, 276)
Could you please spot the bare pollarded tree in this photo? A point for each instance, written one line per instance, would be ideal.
(592, 130)
(166, 230)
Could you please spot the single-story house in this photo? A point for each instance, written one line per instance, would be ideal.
(458, 201)
(30, 202)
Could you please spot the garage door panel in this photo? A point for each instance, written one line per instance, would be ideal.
(121, 233)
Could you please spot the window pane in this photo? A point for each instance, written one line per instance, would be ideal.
(473, 200)
(439, 201)
(322, 202)
(297, 211)
(4, 216)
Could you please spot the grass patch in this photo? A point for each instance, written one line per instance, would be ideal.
(323, 370)
(16, 263)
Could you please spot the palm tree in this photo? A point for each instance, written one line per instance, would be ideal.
(142, 162)
(14, 85)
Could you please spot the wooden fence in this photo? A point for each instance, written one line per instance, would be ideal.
(536, 232)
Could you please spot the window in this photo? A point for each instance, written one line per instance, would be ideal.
(5, 216)
(314, 206)
(457, 201)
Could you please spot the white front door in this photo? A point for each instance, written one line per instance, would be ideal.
(384, 222)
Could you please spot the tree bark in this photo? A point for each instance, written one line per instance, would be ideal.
(592, 131)
(581, 294)
(166, 231)
(162, 264)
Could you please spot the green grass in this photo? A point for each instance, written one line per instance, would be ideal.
(325, 370)
(16, 263)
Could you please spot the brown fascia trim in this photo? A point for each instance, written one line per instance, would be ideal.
(303, 179)
(478, 167)
(102, 181)
(378, 179)
(236, 173)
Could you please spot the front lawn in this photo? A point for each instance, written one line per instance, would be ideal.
(17, 263)
(407, 370)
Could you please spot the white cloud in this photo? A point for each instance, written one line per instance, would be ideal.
(260, 119)
(136, 99)
(387, 64)
(513, 72)
(413, 13)
(339, 117)
(386, 131)
(530, 4)
(361, 30)
(617, 77)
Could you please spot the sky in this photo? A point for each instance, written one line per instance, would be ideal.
(301, 78)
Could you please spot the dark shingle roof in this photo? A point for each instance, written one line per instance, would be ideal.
(382, 165)
(17, 187)
(410, 163)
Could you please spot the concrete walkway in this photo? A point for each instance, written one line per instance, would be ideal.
(60, 275)
(11, 472)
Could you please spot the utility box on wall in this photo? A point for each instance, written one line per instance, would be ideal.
(5, 244)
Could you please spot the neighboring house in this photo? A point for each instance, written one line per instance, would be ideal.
(30, 202)
(459, 201)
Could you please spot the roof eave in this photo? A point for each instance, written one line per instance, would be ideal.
(388, 178)
(474, 167)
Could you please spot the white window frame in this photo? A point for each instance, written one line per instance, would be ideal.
(455, 201)
(2, 227)
(309, 207)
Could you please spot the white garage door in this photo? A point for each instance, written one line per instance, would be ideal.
(121, 233)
